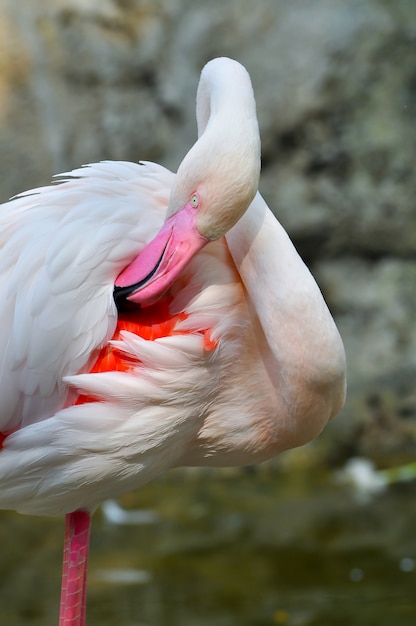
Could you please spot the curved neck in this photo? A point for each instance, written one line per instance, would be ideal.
(299, 329)
(223, 166)
(224, 85)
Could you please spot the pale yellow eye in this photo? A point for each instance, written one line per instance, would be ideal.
(194, 201)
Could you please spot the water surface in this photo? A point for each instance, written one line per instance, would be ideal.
(253, 548)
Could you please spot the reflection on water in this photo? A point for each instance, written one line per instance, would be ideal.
(268, 547)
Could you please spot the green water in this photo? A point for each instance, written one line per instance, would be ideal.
(274, 546)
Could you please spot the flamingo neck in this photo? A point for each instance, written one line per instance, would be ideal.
(223, 166)
(224, 86)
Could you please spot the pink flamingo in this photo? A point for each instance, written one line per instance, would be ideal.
(215, 346)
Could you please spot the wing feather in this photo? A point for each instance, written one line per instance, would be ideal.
(61, 248)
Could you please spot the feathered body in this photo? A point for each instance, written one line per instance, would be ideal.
(236, 361)
(205, 388)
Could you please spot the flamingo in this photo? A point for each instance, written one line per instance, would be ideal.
(151, 320)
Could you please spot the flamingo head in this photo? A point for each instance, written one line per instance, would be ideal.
(215, 184)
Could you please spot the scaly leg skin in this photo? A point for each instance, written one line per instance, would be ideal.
(74, 572)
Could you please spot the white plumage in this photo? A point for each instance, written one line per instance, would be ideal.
(62, 249)
(251, 364)
(150, 419)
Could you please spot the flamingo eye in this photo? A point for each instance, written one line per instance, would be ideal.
(194, 201)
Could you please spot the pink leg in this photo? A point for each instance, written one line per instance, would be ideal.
(74, 573)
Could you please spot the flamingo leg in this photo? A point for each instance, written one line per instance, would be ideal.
(74, 572)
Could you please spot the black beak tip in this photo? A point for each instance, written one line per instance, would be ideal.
(120, 295)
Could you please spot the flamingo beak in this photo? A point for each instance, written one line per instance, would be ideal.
(158, 265)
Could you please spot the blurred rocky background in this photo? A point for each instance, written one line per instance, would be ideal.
(86, 80)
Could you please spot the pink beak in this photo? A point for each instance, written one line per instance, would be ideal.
(158, 265)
